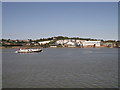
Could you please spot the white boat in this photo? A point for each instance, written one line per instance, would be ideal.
(28, 50)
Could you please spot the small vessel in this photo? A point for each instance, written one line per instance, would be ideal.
(28, 50)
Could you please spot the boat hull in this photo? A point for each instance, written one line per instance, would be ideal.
(28, 50)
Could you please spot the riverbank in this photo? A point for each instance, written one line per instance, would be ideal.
(17, 47)
(20, 47)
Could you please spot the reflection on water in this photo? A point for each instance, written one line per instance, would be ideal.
(61, 68)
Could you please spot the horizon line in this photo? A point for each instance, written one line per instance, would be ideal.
(62, 36)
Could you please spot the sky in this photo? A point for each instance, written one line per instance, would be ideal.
(0, 19)
(34, 20)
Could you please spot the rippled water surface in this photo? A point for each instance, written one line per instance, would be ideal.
(61, 68)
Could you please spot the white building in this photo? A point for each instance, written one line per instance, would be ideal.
(53, 46)
(60, 42)
(71, 43)
(65, 41)
(43, 42)
(92, 43)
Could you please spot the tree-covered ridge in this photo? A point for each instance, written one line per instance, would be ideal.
(64, 37)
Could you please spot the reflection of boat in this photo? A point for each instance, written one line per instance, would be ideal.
(28, 50)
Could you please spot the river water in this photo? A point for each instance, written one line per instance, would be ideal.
(61, 68)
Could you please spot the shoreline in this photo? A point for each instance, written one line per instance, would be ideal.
(51, 47)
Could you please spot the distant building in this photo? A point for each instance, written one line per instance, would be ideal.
(36, 44)
(92, 43)
(60, 42)
(43, 42)
(71, 43)
(53, 46)
(108, 44)
(65, 41)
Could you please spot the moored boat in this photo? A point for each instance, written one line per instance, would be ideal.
(28, 50)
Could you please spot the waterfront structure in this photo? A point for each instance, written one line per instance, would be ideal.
(43, 42)
(69, 43)
(60, 42)
(109, 44)
(91, 43)
(53, 46)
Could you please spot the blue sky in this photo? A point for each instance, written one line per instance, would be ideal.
(0, 19)
(32, 20)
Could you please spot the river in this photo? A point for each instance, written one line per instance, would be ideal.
(61, 68)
